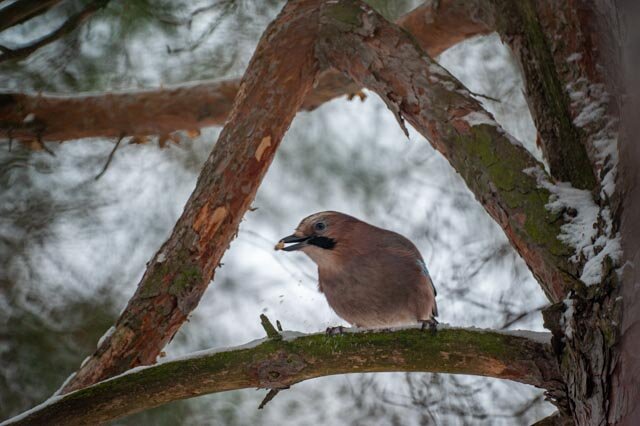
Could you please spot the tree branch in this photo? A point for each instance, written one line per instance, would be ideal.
(520, 26)
(436, 25)
(524, 358)
(270, 94)
(69, 25)
(386, 60)
(22, 10)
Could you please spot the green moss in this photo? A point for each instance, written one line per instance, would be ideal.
(346, 12)
(182, 271)
(152, 285)
(569, 160)
(449, 351)
(497, 167)
(186, 278)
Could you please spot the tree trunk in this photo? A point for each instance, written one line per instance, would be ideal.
(184, 266)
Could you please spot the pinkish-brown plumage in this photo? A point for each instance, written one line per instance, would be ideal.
(370, 276)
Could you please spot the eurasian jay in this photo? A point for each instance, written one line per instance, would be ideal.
(370, 276)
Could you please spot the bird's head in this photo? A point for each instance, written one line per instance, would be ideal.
(320, 236)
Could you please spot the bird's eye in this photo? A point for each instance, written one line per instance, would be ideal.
(320, 226)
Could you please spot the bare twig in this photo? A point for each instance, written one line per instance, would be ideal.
(113, 151)
(270, 395)
(272, 333)
(70, 25)
(479, 95)
(43, 146)
(23, 10)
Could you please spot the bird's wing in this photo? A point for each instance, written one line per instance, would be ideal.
(432, 287)
(404, 247)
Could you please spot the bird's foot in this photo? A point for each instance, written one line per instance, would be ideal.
(330, 331)
(431, 324)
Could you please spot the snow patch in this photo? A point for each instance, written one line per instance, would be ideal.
(435, 68)
(574, 57)
(105, 336)
(591, 100)
(592, 272)
(566, 321)
(84, 361)
(588, 228)
(477, 118)
(538, 336)
(27, 413)
(66, 382)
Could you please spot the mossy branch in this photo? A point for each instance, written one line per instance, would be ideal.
(274, 364)
(380, 56)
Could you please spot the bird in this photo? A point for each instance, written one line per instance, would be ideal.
(371, 277)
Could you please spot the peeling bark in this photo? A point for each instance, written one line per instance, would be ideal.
(277, 363)
(192, 106)
(271, 92)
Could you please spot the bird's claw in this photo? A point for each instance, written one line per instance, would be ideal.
(431, 324)
(330, 331)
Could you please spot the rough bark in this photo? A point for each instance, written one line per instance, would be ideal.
(520, 26)
(387, 61)
(573, 39)
(271, 92)
(619, 37)
(161, 111)
(588, 352)
(278, 363)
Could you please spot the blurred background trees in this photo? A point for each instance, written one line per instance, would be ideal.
(72, 247)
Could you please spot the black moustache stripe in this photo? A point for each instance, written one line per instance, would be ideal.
(322, 242)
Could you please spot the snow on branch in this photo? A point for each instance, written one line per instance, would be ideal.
(522, 356)
(588, 228)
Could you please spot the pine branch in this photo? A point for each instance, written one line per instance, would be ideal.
(277, 364)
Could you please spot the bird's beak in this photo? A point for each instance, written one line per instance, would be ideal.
(302, 242)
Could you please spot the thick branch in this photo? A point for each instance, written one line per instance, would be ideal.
(386, 60)
(270, 94)
(142, 112)
(561, 142)
(154, 112)
(280, 363)
(67, 27)
(23, 10)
